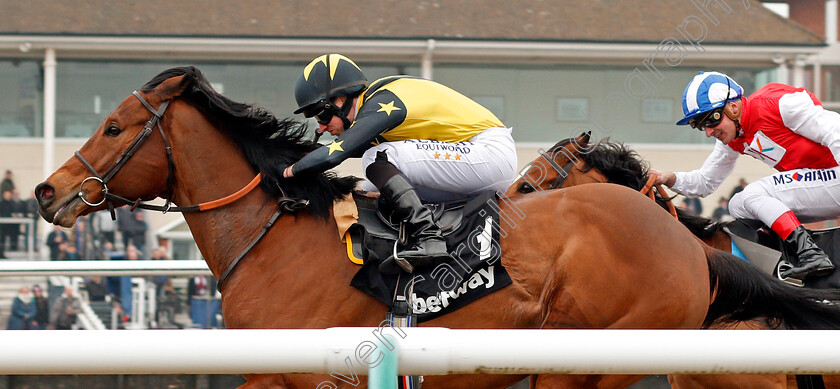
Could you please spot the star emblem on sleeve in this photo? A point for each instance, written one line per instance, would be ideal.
(388, 108)
(335, 146)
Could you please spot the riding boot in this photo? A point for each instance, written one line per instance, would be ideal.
(809, 260)
(425, 243)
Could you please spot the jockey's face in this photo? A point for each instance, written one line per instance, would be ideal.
(724, 131)
(335, 126)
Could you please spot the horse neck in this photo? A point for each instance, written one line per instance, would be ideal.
(223, 232)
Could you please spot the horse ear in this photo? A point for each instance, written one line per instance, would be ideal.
(584, 137)
(172, 87)
(581, 143)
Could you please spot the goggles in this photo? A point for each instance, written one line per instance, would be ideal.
(324, 116)
(710, 119)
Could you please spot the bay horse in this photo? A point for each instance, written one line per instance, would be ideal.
(578, 161)
(578, 258)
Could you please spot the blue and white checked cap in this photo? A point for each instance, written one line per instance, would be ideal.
(708, 91)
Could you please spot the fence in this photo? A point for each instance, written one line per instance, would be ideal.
(423, 351)
(103, 268)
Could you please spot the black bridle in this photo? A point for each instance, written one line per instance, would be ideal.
(562, 172)
(285, 204)
(103, 179)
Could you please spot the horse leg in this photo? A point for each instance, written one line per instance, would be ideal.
(294, 381)
(730, 381)
(551, 381)
(831, 381)
(263, 381)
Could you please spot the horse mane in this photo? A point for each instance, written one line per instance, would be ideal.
(269, 144)
(623, 165)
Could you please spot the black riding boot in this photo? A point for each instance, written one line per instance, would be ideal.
(426, 245)
(810, 260)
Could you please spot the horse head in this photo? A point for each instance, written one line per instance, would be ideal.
(172, 139)
(556, 168)
(577, 161)
(113, 161)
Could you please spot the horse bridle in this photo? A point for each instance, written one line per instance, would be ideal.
(562, 172)
(107, 196)
(285, 203)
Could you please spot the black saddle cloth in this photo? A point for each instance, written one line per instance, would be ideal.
(471, 230)
(827, 239)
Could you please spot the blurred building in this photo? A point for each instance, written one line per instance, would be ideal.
(550, 69)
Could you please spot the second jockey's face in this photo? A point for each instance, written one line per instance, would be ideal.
(724, 131)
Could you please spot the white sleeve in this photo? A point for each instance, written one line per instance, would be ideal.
(802, 116)
(704, 181)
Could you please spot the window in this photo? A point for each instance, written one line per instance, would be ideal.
(21, 98)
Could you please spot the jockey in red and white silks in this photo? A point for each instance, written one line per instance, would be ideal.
(786, 128)
(782, 126)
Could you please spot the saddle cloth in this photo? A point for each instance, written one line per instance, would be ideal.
(472, 235)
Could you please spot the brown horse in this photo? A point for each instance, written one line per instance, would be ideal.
(577, 161)
(578, 258)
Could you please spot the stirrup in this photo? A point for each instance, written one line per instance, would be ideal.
(402, 262)
(784, 265)
(394, 263)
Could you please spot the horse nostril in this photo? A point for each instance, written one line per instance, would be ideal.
(45, 193)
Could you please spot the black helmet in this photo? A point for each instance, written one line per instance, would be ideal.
(328, 76)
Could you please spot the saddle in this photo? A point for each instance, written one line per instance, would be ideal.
(471, 230)
(759, 245)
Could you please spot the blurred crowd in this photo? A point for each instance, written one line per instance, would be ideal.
(97, 237)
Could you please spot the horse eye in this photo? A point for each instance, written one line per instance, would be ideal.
(112, 130)
(526, 188)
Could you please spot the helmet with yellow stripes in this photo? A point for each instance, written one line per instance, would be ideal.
(328, 76)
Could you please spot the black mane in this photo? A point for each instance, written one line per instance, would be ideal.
(269, 144)
(622, 165)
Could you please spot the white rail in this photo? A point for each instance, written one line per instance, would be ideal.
(423, 351)
(103, 268)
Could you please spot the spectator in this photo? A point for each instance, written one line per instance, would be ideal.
(202, 302)
(111, 253)
(102, 222)
(42, 309)
(742, 183)
(692, 206)
(54, 241)
(138, 235)
(96, 289)
(23, 310)
(18, 207)
(126, 298)
(82, 238)
(159, 254)
(132, 227)
(7, 185)
(30, 206)
(68, 252)
(722, 210)
(5, 229)
(168, 306)
(65, 310)
(18, 210)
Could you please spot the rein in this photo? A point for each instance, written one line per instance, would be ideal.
(285, 204)
(648, 191)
